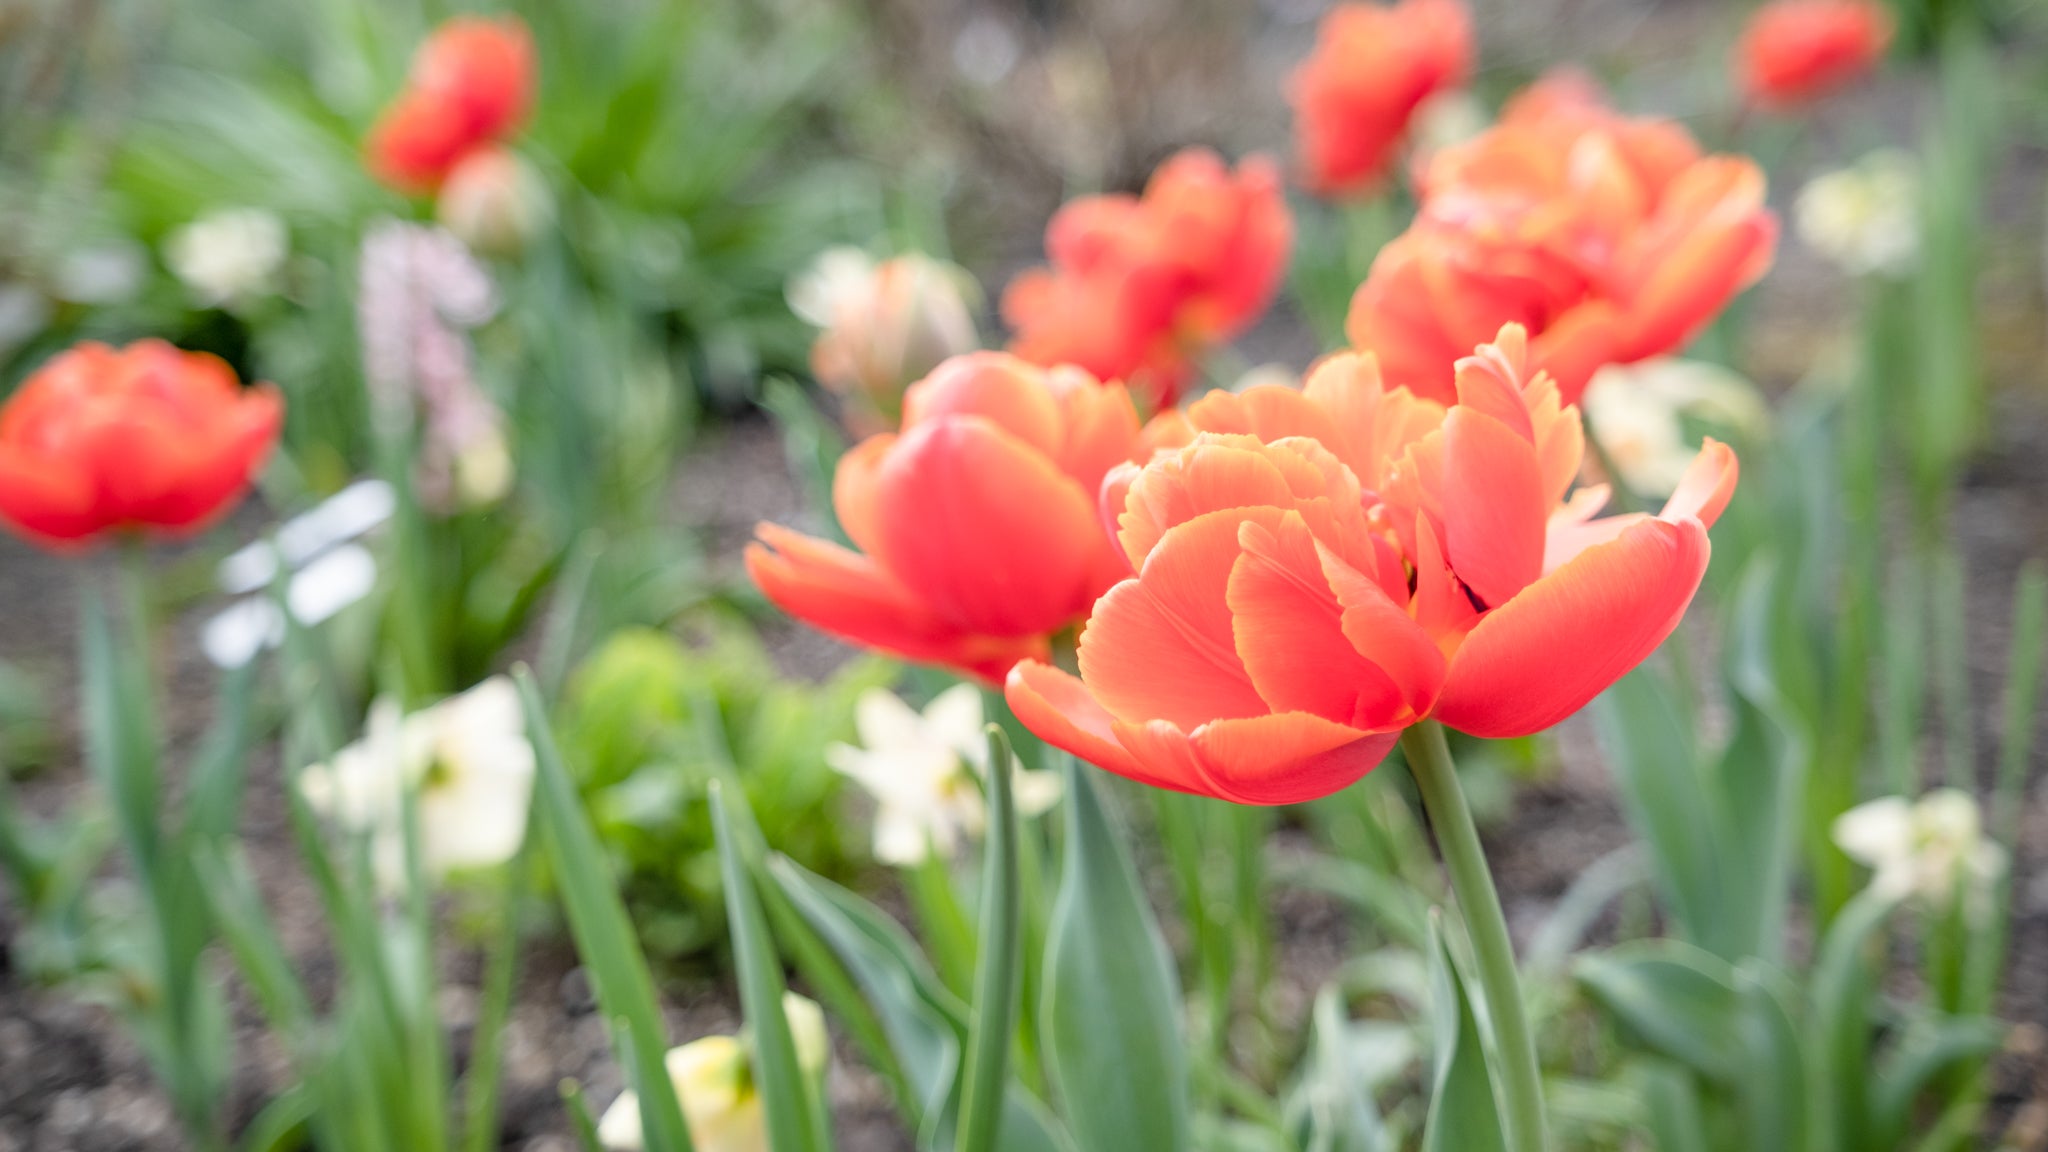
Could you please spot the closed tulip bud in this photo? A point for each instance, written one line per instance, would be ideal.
(976, 523)
(1796, 51)
(494, 202)
(141, 438)
(1319, 569)
(883, 325)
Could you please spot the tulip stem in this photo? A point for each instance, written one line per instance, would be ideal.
(1429, 760)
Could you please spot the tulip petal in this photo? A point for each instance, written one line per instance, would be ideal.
(1540, 657)
(853, 489)
(1708, 485)
(1381, 631)
(1162, 646)
(985, 529)
(1227, 472)
(1059, 709)
(996, 386)
(1493, 509)
(1286, 758)
(1289, 631)
(46, 499)
(847, 594)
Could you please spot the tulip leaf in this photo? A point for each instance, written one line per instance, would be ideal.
(1773, 1085)
(1464, 1113)
(997, 968)
(1671, 1100)
(1839, 990)
(1759, 783)
(925, 1023)
(1111, 1005)
(1928, 1049)
(1649, 743)
(784, 1095)
(1673, 999)
(604, 937)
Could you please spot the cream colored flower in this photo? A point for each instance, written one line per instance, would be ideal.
(468, 765)
(229, 256)
(494, 202)
(1925, 849)
(1866, 217)
(882, 326)
(1638, 413)
(917, 768)
(714, 1082)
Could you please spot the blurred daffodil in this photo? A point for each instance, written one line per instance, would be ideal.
(714, 1082)
(1927, 848)
(229, 257)
(917, 767)
(470, 769)
(1638, 412)
(1866, 217)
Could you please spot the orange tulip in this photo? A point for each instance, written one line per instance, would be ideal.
(142, 437)
(1794, 51)
(1318, 570)
(471, 85)
(977, 523)
(1609, 239)
(1138, 288)
(1372, 67)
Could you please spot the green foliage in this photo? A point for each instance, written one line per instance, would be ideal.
(650, 721)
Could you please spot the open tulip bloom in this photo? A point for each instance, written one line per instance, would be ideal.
(1316, 571)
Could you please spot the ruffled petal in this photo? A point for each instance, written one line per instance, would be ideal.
(1708, 485)
(1540, 657)
(1493, 507)
(1162, 646)
(1289, 631)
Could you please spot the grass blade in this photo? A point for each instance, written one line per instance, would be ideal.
(604, 938)
(994, 1011)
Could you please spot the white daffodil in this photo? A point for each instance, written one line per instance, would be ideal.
(1866, 217)
(1638, 413)
(468, 765)
(228, 256)
(714, 1082)
(917, 768)
(1925, 849)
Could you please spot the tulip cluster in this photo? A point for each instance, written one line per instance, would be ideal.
(471, 86)
(141, 438)
(1138, 288)
(1609, 239)
(1372, 69)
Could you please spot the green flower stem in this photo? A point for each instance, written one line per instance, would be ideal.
(1429, 759)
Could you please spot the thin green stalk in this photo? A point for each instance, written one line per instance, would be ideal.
(1429, 759)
